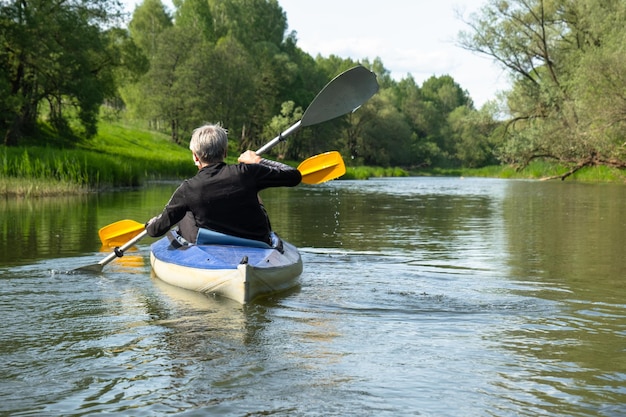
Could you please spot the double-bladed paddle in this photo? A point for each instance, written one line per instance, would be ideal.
(343, 94)
(315, 170)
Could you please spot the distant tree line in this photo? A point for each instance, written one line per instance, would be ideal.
(233, 62)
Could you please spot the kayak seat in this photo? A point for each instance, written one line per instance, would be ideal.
(211, 237)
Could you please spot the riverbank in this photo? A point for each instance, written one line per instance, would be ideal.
(118, 156)
(537, 170)
(122, 156)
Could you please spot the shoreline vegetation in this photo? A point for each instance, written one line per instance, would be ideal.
(121, 156)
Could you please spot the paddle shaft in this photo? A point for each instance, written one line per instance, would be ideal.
(117, 253)
(281, 137)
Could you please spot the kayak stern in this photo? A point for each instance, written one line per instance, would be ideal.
(236, 272)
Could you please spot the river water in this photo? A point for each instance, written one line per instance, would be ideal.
(420, 296)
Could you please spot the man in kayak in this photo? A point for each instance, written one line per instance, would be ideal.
(221, 197)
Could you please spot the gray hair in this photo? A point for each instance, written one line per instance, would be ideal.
(209, 143)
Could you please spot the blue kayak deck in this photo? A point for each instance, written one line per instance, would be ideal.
(211, 256)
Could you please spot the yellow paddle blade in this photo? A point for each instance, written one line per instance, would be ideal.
(118, 233)
(321, 168)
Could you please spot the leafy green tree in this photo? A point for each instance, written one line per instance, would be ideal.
(162, 98)
(196, 15)
(598, 81)
(333, 65)
(473, 138)
(379, 133)
(227, 67)
(249, 21)
(302, 77)
(55, 53)
(426, 110)
(418, 113)
(133, 64)
(294, 82)
(289, 114)
(233, 80)
(566, 61)
(150, 19)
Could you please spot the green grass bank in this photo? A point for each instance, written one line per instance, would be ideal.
(118, 156)
(125, 155)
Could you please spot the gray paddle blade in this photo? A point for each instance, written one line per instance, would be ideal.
(92, 269)
(343, 94)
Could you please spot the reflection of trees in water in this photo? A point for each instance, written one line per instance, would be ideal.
(46, 227)
(565, 245)
(572, 234)
(353, 216)
(63, 226)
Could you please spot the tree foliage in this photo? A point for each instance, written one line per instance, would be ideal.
(566, 60)
(151, 19)
(56, 57)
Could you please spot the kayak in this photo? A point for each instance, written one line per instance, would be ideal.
(227, 266)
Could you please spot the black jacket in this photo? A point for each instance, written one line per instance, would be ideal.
(224, 198)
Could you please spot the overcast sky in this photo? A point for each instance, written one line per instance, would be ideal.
(415, 37)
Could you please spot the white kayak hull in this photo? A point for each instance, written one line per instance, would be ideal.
(235, 272)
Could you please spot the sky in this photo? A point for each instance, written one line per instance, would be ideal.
(416, 37)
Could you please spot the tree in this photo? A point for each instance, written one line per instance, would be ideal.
(426, 110)
(249, 21)
(220, 61)
(472, 134)
(289, 115)
(149, 20)
(565, 62)
(163, 88)
(234, 80)
(598, 80)
(196, 15)
(379, 134)
(55, 52)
